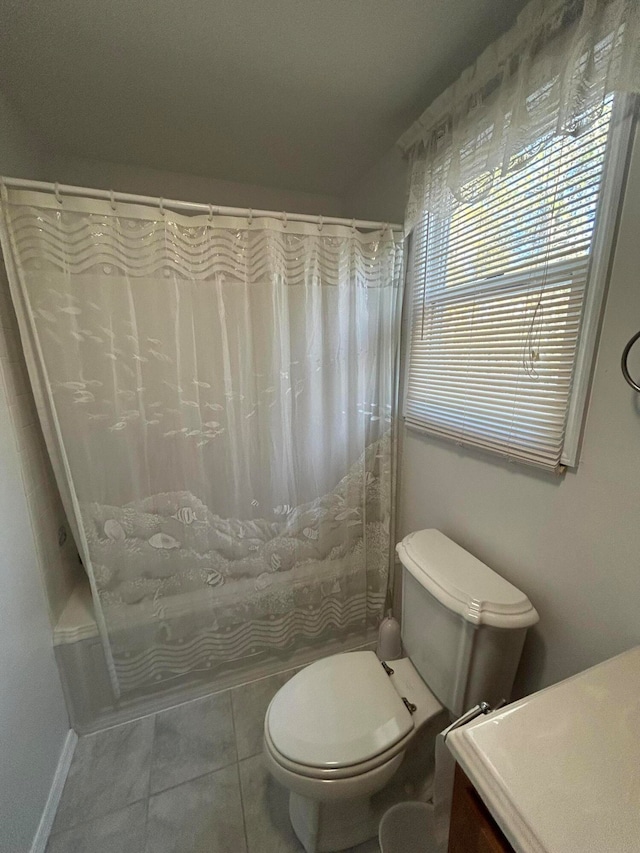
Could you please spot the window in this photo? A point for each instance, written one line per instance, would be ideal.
(506, 296)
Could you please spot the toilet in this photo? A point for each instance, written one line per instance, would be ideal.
(336, 734)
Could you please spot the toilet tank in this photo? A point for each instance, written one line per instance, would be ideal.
(463, 626)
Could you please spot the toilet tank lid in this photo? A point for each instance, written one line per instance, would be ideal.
(464, 584)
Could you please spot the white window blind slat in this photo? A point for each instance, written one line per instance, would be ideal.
(497, 302)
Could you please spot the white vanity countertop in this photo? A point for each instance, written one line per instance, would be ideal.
(560, 770)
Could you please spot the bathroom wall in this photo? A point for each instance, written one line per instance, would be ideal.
(21, 156)
(155, 182)
(58, 560)
(381, 193)
(33, 717)
(571, 543)
(21, 153)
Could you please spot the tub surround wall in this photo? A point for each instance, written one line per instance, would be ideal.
(571, 543)
(87, 686)
(33, 718)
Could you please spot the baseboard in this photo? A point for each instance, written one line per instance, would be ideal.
(55, 792)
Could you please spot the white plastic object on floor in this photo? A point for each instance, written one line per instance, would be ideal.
(389, 641)
(407, 828)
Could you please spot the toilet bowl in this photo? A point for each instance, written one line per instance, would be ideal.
(335, 735)
(338, 732)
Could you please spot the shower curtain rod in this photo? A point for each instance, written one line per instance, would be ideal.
(191, 206)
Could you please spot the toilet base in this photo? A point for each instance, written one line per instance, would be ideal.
(327, 827)
(339, 821)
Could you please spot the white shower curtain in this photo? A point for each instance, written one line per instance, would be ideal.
(218, 399)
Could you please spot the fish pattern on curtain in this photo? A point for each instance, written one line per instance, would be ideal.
(218, 398)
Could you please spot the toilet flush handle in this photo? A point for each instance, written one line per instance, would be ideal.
(471, 714)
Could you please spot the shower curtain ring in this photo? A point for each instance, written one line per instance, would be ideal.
(161, 206)
(250, 216)
(320, 223)
(56, 192)
(284, 218)
(210, 212)
(112, 200)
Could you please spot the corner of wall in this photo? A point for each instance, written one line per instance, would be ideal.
(34, 724)
(381, 193)
(57, 561)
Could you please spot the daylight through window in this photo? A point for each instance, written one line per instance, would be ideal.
(497, 304)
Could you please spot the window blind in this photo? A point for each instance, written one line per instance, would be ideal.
(498, 292)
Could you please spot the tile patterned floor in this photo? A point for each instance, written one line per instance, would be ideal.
(187, 780)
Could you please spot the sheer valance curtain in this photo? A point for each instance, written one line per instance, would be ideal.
(548, 76)
(218, 396)
(515, 178)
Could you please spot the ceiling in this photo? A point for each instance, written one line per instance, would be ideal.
(296, 94)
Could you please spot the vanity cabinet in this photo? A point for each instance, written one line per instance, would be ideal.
(557, 770)
(473, 830)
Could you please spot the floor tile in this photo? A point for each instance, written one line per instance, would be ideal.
(201, 816)
(110, 770)
(119, 832)
(250, 703)
(266, 810)
(192, 740)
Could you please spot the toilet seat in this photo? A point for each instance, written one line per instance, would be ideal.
(335, 773)
(338, 717)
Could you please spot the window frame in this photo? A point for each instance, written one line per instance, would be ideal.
(620, 142)
(616, 165)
